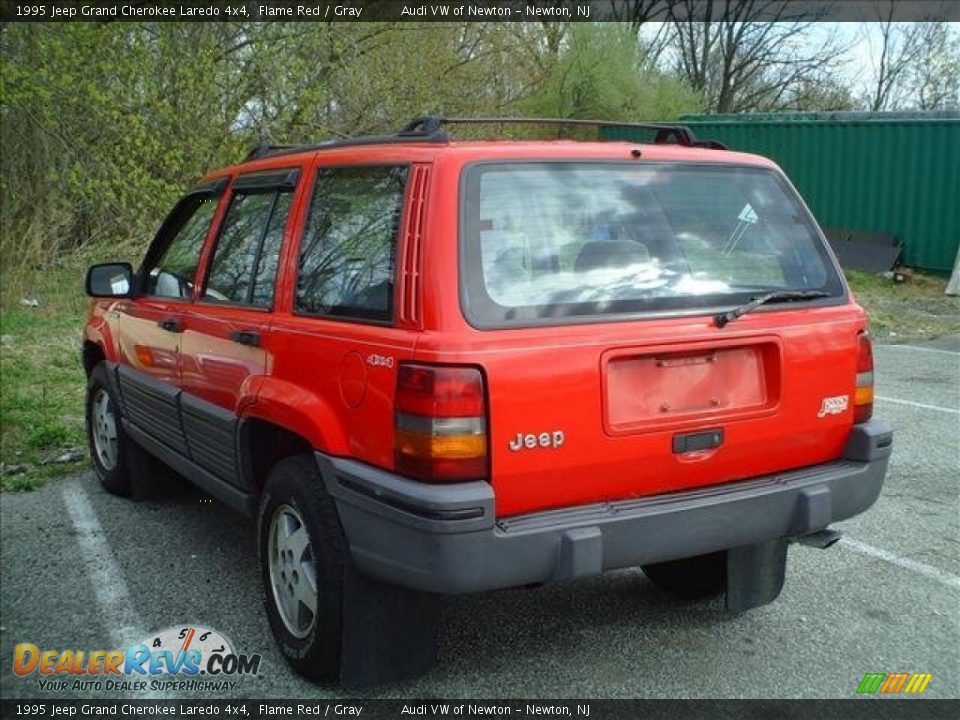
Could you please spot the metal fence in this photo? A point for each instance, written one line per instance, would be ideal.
(893, 173)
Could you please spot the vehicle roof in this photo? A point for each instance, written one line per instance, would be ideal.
(466, 151)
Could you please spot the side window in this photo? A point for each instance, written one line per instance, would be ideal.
(172, 274)
(348, 250)
(265, 275)
(244, 265)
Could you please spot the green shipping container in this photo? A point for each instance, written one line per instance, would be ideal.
(876, 172)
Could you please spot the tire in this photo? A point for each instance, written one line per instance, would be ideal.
(109, 445)
(693, 578)
(293, 500)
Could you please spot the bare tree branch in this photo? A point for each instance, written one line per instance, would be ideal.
(749, 55)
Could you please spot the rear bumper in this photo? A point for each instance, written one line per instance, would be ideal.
(447, 539)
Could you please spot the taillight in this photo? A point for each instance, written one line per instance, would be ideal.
(863, 394)
(440, 426)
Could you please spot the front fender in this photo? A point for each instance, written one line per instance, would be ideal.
(98, 331)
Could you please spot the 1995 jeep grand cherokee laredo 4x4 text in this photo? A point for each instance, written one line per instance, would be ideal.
(430, 367)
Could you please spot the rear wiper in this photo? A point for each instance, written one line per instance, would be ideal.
(777, 296)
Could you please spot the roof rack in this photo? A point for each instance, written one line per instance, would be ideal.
(262, 149)
(428, 128)
(665, 134)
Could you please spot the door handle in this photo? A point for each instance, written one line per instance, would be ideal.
(246, 337)
(171, 325)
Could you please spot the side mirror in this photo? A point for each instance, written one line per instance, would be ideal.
(110, 280)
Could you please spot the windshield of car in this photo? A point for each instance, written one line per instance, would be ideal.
(552, 241)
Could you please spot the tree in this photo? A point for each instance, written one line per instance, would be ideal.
(639, 12)
(750, 55)
(823, 93)
(895, 49)
(602, 75)
(935, 77)
(110, 121)
(916, 65)
(104, 124)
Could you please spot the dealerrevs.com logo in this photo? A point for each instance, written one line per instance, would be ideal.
(186, 657)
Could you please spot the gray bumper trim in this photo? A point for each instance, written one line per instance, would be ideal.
(445, 538)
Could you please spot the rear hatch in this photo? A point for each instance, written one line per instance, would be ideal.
(594, 288)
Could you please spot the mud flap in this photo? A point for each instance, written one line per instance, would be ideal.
(755, 574)
(389, 633)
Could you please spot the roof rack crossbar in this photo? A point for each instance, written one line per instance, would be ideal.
(665, 133)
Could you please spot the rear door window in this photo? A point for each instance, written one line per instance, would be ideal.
(348, 250)
(548, 242)
(244, 266)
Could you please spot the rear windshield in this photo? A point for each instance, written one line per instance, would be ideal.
(548, 242)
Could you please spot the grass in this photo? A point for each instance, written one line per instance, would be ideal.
(41, 378)
(42, 383)
(912, 311)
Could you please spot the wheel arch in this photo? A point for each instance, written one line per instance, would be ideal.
(92, 355)
(261, 445)
(299, 411)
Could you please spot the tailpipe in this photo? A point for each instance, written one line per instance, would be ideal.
(822, 539)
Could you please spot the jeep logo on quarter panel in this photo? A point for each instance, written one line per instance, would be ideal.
(531, 441)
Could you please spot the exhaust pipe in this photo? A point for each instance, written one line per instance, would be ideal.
(822, 539)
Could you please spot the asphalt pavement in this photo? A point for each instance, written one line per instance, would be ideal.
(84, 570)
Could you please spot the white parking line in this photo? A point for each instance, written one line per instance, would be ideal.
(938, 408)
(107, 580)
(928, 571)
(122, 621)
(918, 349)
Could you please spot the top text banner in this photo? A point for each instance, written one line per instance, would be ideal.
(633, 11)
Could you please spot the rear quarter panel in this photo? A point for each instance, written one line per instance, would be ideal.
(333, 382)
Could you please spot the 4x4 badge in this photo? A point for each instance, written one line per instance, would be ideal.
(552, 439)
(380, 361)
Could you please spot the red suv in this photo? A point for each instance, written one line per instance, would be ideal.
(428, 367)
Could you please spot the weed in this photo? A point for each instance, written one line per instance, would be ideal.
(912, 311)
